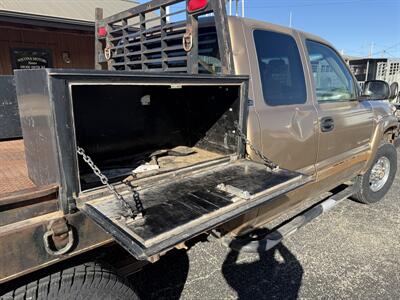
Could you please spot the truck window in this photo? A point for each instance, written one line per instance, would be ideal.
(209, 59)
(281, 71)
(333, 80)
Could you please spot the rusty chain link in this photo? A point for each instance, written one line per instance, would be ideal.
(104, 180)
(267, 162)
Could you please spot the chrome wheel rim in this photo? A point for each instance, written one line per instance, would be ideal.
(379, 174)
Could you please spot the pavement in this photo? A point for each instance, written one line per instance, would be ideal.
(353, 252)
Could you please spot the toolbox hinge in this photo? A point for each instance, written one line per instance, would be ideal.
(234, 191)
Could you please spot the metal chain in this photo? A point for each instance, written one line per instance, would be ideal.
(136, 198)
(269, 163)
(126, 207)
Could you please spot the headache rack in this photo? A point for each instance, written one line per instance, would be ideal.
(161, 36)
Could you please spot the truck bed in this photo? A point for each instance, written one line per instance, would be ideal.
(13, 169)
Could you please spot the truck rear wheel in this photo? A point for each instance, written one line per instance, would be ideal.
(375, 183)
(86, 281)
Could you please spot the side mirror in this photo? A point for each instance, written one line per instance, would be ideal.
(376, 90)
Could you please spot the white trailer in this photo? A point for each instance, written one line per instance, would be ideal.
(387, 69)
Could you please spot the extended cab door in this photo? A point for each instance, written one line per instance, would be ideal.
(345, 124)
(282, 98)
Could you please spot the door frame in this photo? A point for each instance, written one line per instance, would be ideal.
(249, 26)
(348, 161)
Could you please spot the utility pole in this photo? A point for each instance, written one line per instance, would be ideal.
(371, 50)
(290, 19)
(237, 8)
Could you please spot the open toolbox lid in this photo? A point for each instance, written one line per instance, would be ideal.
(194, 201)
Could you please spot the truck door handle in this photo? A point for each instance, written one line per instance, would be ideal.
(327, 124)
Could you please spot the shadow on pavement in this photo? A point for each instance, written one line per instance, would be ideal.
(276, 275)
(165, 279)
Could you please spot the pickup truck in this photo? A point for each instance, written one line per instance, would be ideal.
(209, 125)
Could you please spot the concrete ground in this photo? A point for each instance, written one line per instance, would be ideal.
(353, 252)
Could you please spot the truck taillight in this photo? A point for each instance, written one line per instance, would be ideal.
(101, 31)
(196, 5)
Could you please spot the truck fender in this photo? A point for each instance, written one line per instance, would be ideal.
(383, 125)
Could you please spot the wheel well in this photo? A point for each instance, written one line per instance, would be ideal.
(390, 135)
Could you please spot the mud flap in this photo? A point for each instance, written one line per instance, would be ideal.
(181, 208)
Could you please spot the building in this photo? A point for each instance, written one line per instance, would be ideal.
(45, 33)
(50, 33)
(365, 68)
(387, 69)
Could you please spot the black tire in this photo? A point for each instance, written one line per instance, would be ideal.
(364, 193)
(87, 281)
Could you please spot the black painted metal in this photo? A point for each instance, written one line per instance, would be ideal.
(179, 209)
(48, 121)
(10, 126)
(141, 38)
(195, 116)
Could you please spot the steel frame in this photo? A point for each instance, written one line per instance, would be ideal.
(119, 38)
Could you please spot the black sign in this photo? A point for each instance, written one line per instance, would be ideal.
(24, 58)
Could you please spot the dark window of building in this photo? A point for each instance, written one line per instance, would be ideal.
(281, 71)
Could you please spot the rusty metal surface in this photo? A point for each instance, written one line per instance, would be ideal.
(10, 214)
(35, 194)
(22, 219)
(13, 170)
(22, 249)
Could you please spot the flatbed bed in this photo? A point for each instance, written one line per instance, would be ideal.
(13, 168)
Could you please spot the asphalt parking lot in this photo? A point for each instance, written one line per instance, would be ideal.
(353, 252)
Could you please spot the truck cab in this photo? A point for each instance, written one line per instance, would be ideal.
(306, 109)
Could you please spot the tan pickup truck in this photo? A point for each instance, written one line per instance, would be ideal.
(206, 125)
